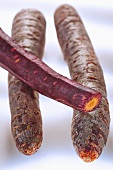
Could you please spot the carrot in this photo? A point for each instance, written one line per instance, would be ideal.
(89, 131)
(40, 77)
(28, 30)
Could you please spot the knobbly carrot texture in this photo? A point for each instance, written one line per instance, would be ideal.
(28, 30)
(89, 131)
(36, 74)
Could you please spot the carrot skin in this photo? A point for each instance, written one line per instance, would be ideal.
(89, 131)
(36, 74)
(26, 120)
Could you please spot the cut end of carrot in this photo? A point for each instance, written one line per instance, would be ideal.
(93, 103)
(89, 156)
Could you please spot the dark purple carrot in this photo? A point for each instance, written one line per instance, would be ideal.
(36, 74)
(89, 131)
(28, 30)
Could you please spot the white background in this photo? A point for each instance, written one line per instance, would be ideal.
(57, 151)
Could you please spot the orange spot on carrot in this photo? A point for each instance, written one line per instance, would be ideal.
(16, 61)
(28, 127)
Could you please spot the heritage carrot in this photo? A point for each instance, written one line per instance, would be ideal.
(28, 30)
(39, 76)
(89, 131)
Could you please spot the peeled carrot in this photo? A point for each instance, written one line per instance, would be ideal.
(28, 30)
(40, 77)
(89, 131)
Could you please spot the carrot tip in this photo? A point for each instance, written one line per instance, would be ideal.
(89, 156)
(31, 149)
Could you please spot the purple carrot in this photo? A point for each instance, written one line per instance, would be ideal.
(36, 74)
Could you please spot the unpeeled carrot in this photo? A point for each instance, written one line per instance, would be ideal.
(89, 131)
(28, 30)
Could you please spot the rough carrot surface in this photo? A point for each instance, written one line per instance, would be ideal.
(28, 30)
(89, 131)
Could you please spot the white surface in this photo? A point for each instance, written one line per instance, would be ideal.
(57, 151)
